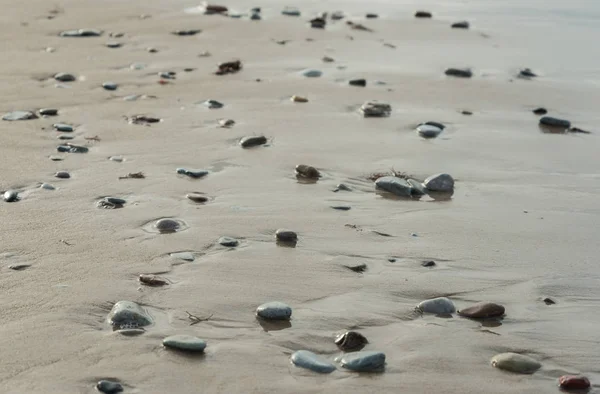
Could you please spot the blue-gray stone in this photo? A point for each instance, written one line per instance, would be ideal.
(185, 342)
(72, 149)
(65, 77)
(63, 127)
(48, 112)
(128, 314)
(274, 311)
(11, 196)
(229, 242)
(312, 73)
(417, 187)
(309, 360)
(555, 122)
(110, 86)
(439, 183)
(428, 131)
(364, 361)
(109, 387)
(19, 115)
(192, 173)
(291, 11)
(438, 306)
(395, 185)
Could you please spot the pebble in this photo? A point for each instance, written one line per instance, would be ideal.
(371, 16)
(137, 66)
(166, 226)
(482, 310)
(305, 171)
(459, 72)
(187, 32)
(417, 187)
(351, 341)
(284, 235)
(70, 148)
(438, 306)
(342, 187)
(152, 280)
(318, 23)
(394, 185)
(19, 115)
(62, 175)
(291, 11)
(47, 186)
(63, 127)
(19, 267)
(213, 104)
(341, 207)
(358, 82)
(167, 74)
(468, 113)
(337, 15)
(540, 111)
(328, 59)
(128, 314)
(299, 99)
(65, 77)
(109, 387)
(251, 141)
(11, 196)
(375, 109)
(527, 73)
(429, 263)
(423, 14)
(573, 382)
(549, 301)
(192, 173)
(312, 73)
(515, 362)
(110, 86)
(439, 183)
(364, 361)
(358, 268)
(81, 33)
(185, 342)
(56, 158)
(187, 256)
(228, 242)
(311, 361)
(274, 311)
(428, 131)
(555, 122)
(114, 44)
(255, 16)
(111, 203)
(48, 112)
(118, 159)
(214, 9)
(195, 197)
(460, 25)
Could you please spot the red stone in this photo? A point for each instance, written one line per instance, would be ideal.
(573, 382)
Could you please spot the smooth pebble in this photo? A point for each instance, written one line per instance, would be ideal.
(286, 235)
(394, 185)
(483, 310)
(251, 141)
(363, 361)
(128, 314)
(439, 183)
(19, 115)
(438, 306)
(274, 311)
(185, 342)
(109, 387)
(515, 362)
(311, 361)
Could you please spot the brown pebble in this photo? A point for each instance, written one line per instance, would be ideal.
(305, 171)
(299, 99)
(229, 67)
(351, 341)
(152, 280)
(482, 310)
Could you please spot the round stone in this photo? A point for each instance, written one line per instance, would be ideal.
(311, 361)
(62, 175)
(65, 77)
(365, 361)
(128, 314)
(110, 86)
(250, 141)
(109, 387)
(573, 382)
(439, 183)
(47, 186)
(167, 225)
(428, 131)
(540, 111)
(284, 235)
(185, 342)
(192, 173)
(515, 362)
(11, 196)
(398, 186)
(306, 171)
(19, 115)
(482, 310)
(274, 311)
(438, 306)
(312, 73)
(228, 242)
(351, 341)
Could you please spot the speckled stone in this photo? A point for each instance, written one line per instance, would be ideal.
(515, 362)
(364, 361)
(274, 311)
(307, 171)
(311, 361)
(438, 306)
(375, 109)
(128, 314)
(351, 341)
(185, 342)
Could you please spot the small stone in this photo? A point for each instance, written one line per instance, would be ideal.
(62, 175)
(214, 9)
(152, 50)
(110, 86)
(152, 280)
(312, 73)
(318, 23)
(185, 342)
(428, 264)
(341, 207)
(19, 115)
(438, 306)
(299, 99)
(423, 14)
(555, 122)
(428, 131)
(435, 124)
(11, 196)
(195, 197)
(527, 73)
(482, 310)
(283, 235)
(192, 173)
(48, 112)
(417, 188)
(255, 16)
(305, 171)
(167, 226)
(549, 301)
(540, 111)
(439, 183)
(63, 127)
(56, 158)
(118, 159)
(365, 361)
(143, 119)
(460, 25)
(337, 15)
(226, 123)
(351, 341)
(371, 16)
(114, 44)
(109, 387)
(167, 74)
(468, 113)
(128, 314)
(573, 382)
(274, 311)
(358, 82)
(342, 187)
(65, 77)
(394, 185)
(251, 141)
(328, 59)
(375, 109)
(47, 186)
(65, 137)
(291, 11)
(81, 33)
(187, 256)
(111, 203)
(515, 362)
(228, 242)
(459, 72)
(19, 267)
(70, 148)
(311, 361)
(186, 32)
(231, 67)
(137, 66)
(213, 104)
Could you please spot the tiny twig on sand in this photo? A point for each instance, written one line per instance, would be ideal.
(133, 175)
(66, 242)
(94, 138)
(195, 319)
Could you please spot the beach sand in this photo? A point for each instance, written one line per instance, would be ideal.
(522, 223)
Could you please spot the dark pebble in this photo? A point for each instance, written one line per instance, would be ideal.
(11, 196)
(186, 32)
(436, 124)
(283, 235)
(468, 113)
(351, 341)
(341, 207)
(423, 14)
(110, 86)
(549, 301)
(228, 242)
(167, 74)
(357, 268)
(482, 310)
(302, 170)
(429, 263)
(555, 122)
(578, 130)
(48, 112)
(459, 72)
(81, 33)
(166, 226)
(250, 141)
(109, 387)
(19, 267)
(371, 16)
(111, 203)
(65, 77)
(192, 173)
(358, 82)
(195, 197)
(213, 104)
(67, 128)
(231, 67)
(392, 260)
(460, 25)
(113, 44)
(540, 111)
(72, 148)
(318, 23)
(62, 175)
(527, 73)
(574, 382)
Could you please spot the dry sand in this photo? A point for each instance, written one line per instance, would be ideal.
(522, 223)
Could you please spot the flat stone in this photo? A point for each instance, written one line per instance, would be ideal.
(342, 187)
(167, 74)
(195, 197)
(438, 306)
(11, 196)
(19, 267)
(128, 314)
(118, 159)
(527, 73)
(364, 361)
(573, 382)
(213, 104)
(371, 16)
(56, 158)
(62, 175)
(460, 25)
(290, 11)
(358, 82)
(187, 256)
(229, 242)
(351, 341)
(428, 263)
(274, 311)
(328, 59)
(417, 188)
(428, 131)
(48, 112)
(226, 123)
(423, 14)
(191, 32)
(286, 235)
(540, 111)
(312, 73)
(337, 15)
(375, 109)
(311, 361)
(306, 171)
(70, 148)
(555, 122)
(299, 99)
(19, 115)
(185, 342)
(47, 186)
(81, 33)
(459, 72)
(192, 173)
(111, 203)
(114, 44)
(167, 225)
(439, 183)
(341, 207)
(110, 86)
(63, 127)
(394, 185)
(549, 301)
(250, 141)
(515, 362)
(109, 387)
(65, 77)
(482, 310)
(318, 23)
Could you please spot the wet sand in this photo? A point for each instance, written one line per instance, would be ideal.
(521, 225)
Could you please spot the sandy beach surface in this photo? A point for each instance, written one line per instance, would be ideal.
(521, 225)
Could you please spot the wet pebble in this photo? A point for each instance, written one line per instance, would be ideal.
(417, 188)
(191, 32)
(192, 173)
(573, 382)
(19, 267)
(460, 25)
(226, 123)
(19, 115)
(274, 311)
(81, 33)
(527, 73)
(351, 341)
(48, 112)
(196, 197)
(305, 171)
(228, 242)
(515, 362)
(549, 301)
(311, 361)
(439, 183)
(540, 111)
(299, 99)
(185, 342)
(290, 11)
(128, 314)
(364, 361)
(213, 104)
(428, 263)
(114, 44)
(318, 23)
(187, 256)
(250, 141)
(438, 306)
(110, 86)
(67, 128)
(482, 310)
(371, 16)
(423, 14)
(65, 77)
(118, 159)
(312, 73)
(11, 196)
(167, 74)
(166, 226)
(70, 148)
(459, 72)
(62, 175)
(358, 82)
(398, 186)
(47, 186)
(428, 131)
(109, 387)
(152, 280)
(341, 207)
(342, 187)
(555, 122)
(284, 235)
(111, 203)
(375, 109)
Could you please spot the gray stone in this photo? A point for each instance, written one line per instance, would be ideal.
(19, 115)
(312, 73)
(417, 187)
(428, 131)
(167, 74)
(527, 73)
(81, 33)
(187, 256)
(337, 15)
(555, 122)
(423, 14)
(291, 11)
(394, 185)
(375, 109)
(364, 361)
(306, 171)
(284, 235)
(118, 159)
(311, 361)
(213, 104)
(229, 242)
(65, 77)
(439, 183)
(185, 342)
(196, 197)
(460, 25)
(274, 311)
(109, 387)
(459, 72)
(11, 196)
(515, 362)
(192, 173)
(47, 186)
(62, 175)
(342, 187)
(111, 203)
(438, 306)
(167, 225)
(128, 314)
(341, 207)
(48, 112)
(192, 32)
(65, 137)
(56, 158)
(70, 148)
(250, 141)
(110, 86)
(63, 127)
(358, 82)
(114, 44)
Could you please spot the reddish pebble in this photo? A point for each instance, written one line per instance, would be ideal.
(163, 82)
(573, 382)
